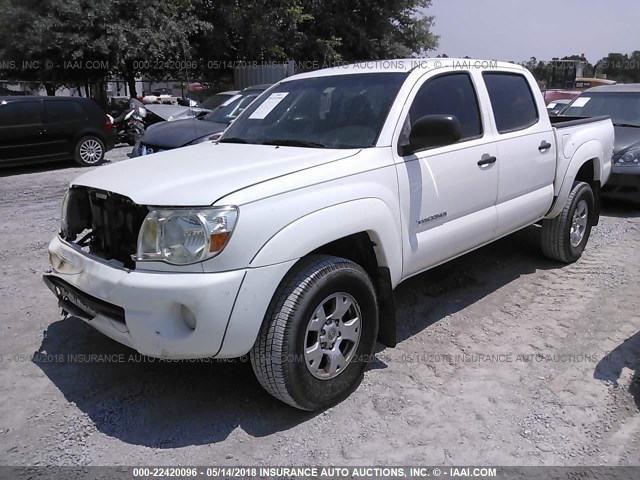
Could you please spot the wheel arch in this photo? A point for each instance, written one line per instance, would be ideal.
(88, 132)
(368, 236)
(586, 166)
(589, 172)
(305, 235)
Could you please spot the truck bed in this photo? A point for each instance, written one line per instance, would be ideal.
(593, 137)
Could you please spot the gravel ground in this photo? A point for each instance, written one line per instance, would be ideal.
(505, 358)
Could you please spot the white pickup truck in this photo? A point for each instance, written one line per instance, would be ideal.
(285, 239)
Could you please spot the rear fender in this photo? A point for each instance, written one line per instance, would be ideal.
(590, 151)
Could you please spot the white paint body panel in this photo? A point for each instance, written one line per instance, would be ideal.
(294, 200)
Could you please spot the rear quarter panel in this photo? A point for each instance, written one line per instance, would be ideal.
(577, 145)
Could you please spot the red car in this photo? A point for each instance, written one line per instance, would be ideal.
(559, 94)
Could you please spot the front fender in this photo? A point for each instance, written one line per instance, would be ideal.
(324, 226)
(590, 151)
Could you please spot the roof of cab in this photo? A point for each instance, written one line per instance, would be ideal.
(620, 87)
(404, 65)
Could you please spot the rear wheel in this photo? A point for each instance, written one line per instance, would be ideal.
(318, 334)
(565, 237)
(90, 151)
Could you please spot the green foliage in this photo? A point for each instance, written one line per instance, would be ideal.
(74, 42)
(252, 30)
(554, 71)
(349, 30)
(313, 31)
(69, 42)
(621, 67)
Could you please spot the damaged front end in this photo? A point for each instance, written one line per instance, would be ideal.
(103, 224)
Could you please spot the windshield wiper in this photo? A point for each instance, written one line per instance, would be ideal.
(233, 140)
(294, 143)
(631, 125)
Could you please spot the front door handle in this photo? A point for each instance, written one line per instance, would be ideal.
(41, 131)
(486, 160)
(544, 146)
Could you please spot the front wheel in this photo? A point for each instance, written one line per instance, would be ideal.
(89, 152)
(565, 237)
(318, 334)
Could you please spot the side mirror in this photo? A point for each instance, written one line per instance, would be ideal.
(433, 131)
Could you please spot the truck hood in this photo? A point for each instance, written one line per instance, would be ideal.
(626, 139)
(202, 174)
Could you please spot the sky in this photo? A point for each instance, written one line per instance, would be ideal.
(520, 29)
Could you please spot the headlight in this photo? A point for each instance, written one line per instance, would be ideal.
(629, 159)
(184, 236)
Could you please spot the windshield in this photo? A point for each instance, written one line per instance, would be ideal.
(622, 107)
(215, 100)
(342, 111)
(234, 106)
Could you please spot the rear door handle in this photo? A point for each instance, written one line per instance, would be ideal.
(486, 160)
(544, 146)
(41, 131)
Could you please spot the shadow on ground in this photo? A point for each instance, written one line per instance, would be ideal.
(169, 405)
(621, 208)
(625, 355)
(37, 168)
(144, 401)
(426, 298)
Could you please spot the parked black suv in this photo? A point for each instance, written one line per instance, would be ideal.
(43, 129)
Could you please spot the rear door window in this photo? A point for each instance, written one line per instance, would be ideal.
(63, 111)
(514, 106)
(15, 114)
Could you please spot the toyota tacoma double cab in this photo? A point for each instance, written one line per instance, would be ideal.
(285, 239)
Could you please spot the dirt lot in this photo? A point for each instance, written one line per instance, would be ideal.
(502, 361)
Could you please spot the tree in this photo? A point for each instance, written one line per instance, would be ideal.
(151, 37)
(588, 70)
(558, 72)
(82, 42)
(351, 30)
(54, 36)
(78, 42)
(254, 30)
(314, 30)
(621, 67)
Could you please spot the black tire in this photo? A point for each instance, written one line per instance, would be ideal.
(278, 357)
(556, 232)
(94, 145)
